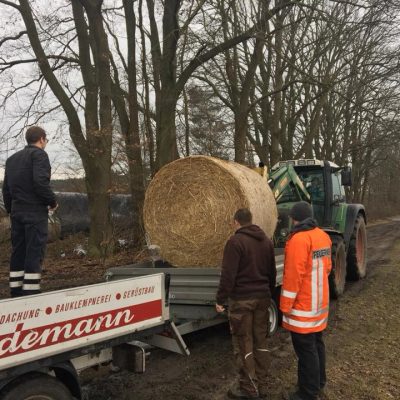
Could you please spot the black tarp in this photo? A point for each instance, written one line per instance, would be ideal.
(72, 215)
(73, 212)
(54, 225)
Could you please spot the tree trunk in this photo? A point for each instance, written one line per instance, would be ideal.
(167, 149)
(187, 128)
(98, 186)
(277, 99)
(133, 145)
(148, 126)
(98, 164)
(95, 149)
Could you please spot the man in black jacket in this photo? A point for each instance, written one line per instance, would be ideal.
(28, 198)
(247, 282)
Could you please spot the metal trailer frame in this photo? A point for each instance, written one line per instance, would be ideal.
(192, 293)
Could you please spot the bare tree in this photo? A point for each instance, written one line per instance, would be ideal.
(168, 86)
(93, 141)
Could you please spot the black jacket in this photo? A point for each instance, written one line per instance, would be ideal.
(248, 266)
(26, 184)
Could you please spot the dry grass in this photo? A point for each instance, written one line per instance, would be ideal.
(364, 338)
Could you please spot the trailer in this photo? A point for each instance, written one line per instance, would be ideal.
(46, 340)
(192, 294)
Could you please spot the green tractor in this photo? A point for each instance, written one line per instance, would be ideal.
(322, 183)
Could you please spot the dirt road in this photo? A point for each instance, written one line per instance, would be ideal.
(362, 339)
(362, 346)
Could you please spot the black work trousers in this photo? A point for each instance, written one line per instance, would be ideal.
(310, 351)
(28, 238)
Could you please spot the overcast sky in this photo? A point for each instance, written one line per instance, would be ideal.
(63, 157)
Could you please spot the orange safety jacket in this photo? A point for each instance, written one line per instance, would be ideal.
(305, 289)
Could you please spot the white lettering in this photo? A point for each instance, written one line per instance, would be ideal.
(32, 338)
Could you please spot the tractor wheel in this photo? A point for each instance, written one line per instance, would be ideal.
(357, 252)
(36, 387)
(337, 277)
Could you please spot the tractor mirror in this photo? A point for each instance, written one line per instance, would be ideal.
(346, 176)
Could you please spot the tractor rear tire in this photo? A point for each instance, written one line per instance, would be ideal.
(357, 252)
(337, 277)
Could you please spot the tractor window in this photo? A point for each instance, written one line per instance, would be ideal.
(314, 183)
(313, 180)
(337, 189)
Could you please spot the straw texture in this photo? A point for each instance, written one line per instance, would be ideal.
(190, 203)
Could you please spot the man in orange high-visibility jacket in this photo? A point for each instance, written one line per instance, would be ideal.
(304, 299)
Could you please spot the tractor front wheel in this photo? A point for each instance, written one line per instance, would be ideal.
(337, 277)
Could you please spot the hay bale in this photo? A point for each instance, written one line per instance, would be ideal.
(190, 203)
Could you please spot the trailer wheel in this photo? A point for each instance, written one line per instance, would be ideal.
(36, 387)
(273, 318)
(357, 253)
(337, 277)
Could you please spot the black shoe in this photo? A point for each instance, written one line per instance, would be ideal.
(240, 394)
(294, 396)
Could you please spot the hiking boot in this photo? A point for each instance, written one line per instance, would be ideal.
(240, 394)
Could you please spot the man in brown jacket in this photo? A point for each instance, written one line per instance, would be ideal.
(247, 283)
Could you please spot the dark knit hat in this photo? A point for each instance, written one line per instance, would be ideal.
(301, 211)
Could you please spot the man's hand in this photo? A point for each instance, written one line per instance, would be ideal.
(219, 308)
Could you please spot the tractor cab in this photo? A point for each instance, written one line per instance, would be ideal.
(319, 182)
(322, 184)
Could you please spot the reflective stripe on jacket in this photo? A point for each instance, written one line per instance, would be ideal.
(305, 289)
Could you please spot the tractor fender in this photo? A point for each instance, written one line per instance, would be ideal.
(331, 231)
(353, 210)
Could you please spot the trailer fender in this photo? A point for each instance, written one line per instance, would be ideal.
(67, 374)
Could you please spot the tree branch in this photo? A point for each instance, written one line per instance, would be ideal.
(6, 39)
(9, 3)
(202, 58)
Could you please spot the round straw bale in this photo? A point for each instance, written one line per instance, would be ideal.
(190, 203)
